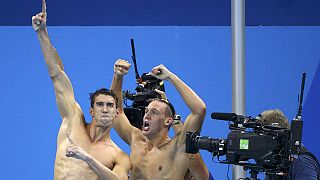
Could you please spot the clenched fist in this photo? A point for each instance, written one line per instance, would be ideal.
(121, 67)
(160, 72)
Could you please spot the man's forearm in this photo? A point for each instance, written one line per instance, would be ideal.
(102, 171)
(197, 167)
(192, 100)
(116, 87)
(121, 125)
(50, 54)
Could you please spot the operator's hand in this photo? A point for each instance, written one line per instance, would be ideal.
(162, 94)
(75, 151)
(39, 21)
(160, 72)
(121, 67)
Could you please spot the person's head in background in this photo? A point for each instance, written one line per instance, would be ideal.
(272, 116)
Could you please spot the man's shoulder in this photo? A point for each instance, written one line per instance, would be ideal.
(304, 167)
(172, 142)
(305, 159)
(75, 117)
(137, 135)
(120, 154)
(174, 148)
(122, 158)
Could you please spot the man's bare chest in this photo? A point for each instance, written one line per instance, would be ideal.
(104, 153)
(151, 158)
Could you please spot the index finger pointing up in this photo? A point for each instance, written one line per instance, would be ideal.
(44, 8)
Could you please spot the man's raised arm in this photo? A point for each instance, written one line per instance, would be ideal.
(196, 105)
(62, 85)
(121, 124)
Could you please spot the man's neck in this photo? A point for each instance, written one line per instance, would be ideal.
(160, 140)
(98, 133)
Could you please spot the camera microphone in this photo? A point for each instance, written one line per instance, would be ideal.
(223, 116)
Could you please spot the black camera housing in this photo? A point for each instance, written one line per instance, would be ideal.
(269, 146)
(145, 91)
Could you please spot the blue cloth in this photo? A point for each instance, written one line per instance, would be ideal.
(302, 168)
(210, 176)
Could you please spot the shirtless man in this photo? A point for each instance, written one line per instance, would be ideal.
(94, 138)
(153, 154)
(197, 168)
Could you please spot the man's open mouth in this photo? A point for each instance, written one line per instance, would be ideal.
(145, 126)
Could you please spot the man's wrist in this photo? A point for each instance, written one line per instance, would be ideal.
(176, 122)
(171, 76)
(117, 75)
(176, 119)
(42, 33)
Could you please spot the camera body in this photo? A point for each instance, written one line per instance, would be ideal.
(267, 149)
(145, 91)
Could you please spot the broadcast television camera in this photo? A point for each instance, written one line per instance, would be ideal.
(145, 90)
(269, 145)
(248, 139)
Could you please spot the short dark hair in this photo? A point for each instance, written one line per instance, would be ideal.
(170, 112)
(274, 116)
(105, 92)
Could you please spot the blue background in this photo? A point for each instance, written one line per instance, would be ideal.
(161, 12)
(200, 56)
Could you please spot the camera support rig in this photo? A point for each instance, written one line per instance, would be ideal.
(145, 90)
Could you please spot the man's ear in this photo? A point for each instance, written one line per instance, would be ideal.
(91, 112)
(168, 121)
(117, 112)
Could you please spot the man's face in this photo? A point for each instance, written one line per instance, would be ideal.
(104, 110)
(153, 120)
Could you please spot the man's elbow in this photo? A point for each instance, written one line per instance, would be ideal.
(201, 109)
(55, 74)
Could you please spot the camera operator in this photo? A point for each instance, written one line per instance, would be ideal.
(306, 166)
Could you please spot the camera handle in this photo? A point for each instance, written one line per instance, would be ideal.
(253, 173)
